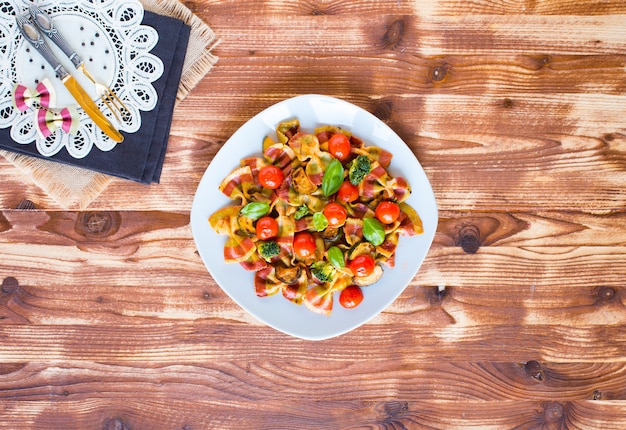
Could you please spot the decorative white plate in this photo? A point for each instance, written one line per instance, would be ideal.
(115, 46)
(276, 311)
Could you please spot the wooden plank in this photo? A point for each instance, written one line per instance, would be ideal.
(402, 74)
(246, 8)
(67, 300)
(384, 413)
(218, 339)
(520, 7)
(256, 380)
(427, 33)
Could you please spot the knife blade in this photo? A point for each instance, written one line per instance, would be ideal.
(34, 37)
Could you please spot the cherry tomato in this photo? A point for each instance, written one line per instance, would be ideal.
(351, 296)
(271, 177)
(387, 212)
(348, 192)
(339, 146)
(266, 228)
(304, 245)
(362, 265)
(335, 214)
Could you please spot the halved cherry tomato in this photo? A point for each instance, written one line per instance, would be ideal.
(362, 265)
(348, 192)
(387, 212)
(335, 214)
(339, 146)
(304, 245)
(351, 296)
(266, 228)
(271, 177)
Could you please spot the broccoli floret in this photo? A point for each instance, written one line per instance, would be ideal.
(323, 271)
(360, 167)
(268, 249)
(301, 212)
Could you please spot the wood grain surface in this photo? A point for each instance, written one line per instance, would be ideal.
(516, 109)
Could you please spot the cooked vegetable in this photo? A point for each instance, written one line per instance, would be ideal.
(306, 227)
(361, 248)
(268, 249)
(339, 146)
(304, 246)
(288, 274)
(335, 214)
(369, 279)
(271, 177)
(266, 228)
(331, 234)
(302, 211)
(301, 182)
(359, 168)
(325, 272)
(246, 225)
(362, 265)
(351, 297)
(387, 212)
(347, 192)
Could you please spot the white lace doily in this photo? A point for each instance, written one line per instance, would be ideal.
(115, 47)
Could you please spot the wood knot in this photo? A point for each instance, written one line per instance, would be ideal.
(553, 412)
(534, 370)
(469, 239)
(383, 110)
(9, 285)
(605, 294)
(609, 137)
(394, 408)
(394, 34)
(438, 73)
(507, 103)
(597, 395)
(97, 224)
(115, 424)
(317, 12)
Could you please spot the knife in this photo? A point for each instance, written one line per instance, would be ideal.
(32, 34)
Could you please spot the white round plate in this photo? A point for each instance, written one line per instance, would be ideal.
(276, 311)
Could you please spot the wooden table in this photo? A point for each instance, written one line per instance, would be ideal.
(517, 112)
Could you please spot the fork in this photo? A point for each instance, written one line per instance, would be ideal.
(110, 99)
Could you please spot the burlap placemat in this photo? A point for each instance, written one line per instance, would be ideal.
(75, 188)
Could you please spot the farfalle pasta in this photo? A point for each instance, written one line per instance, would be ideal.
(316, 213)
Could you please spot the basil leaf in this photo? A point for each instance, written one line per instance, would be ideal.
(320, 222)
(335, 256)
(255, 210)
(333, 177)
(373, 231)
